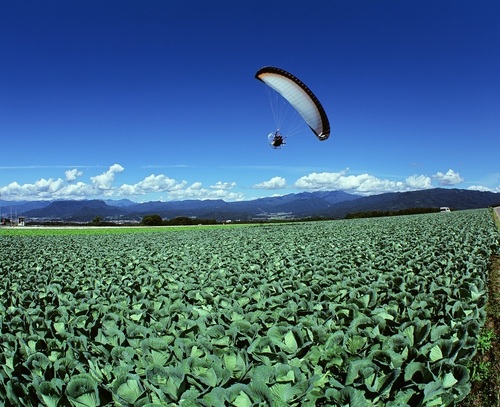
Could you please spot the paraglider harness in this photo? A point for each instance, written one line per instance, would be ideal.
(278, 139)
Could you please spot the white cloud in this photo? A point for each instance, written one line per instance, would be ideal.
(479, 188)
(152, 183)
(363, 184)
(450, 178)
(483, 189)
(41, 189)
(419, 182)
(49, 186)
(196, 191)
(104, 181)
(63, 188)
(318, 181)
(195, 186)
(273, 183)
(73, 174)
(179, 190)
(223, 185)
(77, 190)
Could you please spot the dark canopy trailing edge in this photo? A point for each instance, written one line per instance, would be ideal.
(299, 96)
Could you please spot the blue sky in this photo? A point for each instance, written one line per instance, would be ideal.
(157, 100)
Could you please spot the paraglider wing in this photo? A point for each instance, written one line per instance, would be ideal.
(299, 96)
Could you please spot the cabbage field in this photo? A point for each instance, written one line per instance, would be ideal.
(367, 312)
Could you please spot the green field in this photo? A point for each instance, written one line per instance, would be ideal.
(101, 230)
(367, 312)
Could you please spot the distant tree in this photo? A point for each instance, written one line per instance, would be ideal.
(184, 220)
(152, 220)
(97, 221)
(375, 214)
(181, 220)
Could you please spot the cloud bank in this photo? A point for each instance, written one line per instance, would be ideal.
(362, 184)
(273, 183)
(162, 187)
(104, 186)
(450, 178)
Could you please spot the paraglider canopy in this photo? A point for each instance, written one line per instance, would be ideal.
(299, 96)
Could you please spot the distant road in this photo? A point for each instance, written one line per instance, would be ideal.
(497, 211)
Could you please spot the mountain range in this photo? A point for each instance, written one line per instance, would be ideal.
(327, 204)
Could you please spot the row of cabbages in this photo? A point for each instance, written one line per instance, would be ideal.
(381, 312)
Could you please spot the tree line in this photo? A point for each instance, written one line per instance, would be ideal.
(375, 214)
(157, 220)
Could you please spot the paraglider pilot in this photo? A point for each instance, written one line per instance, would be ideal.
(278, 140)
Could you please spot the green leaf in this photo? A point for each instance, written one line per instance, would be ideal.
(262, 348)
(236, 316)
(284, 373)
(359, 368)
(385, 315)
(449, 380)
(261, 391)
(86, 400)
(50, 392)
(435, 354)
(114, 336)
(216, 398)
(437, 332)
(354, 343)
(242, 400)
(123, 353)
(196, 352)
(156, 343)
(136, 316)
(156, 350)
(207, 376)
(413, 368)
(159, 358)
(128, 388)
(409, 331)
(432, 392)
(230, 360)
(157, 375)
(51, 400)
(37, 363)
(176, 378)
(284, 391)
(401, 398)
(385, 383)
(59, 327)
(290, 342)
(348, 396)
(475, 292)
(262, 374)
(82, 391)
(236, 364)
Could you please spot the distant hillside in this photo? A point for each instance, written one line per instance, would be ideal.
(21, 206)
(76, 211)
(455, 199)
(329, 204)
